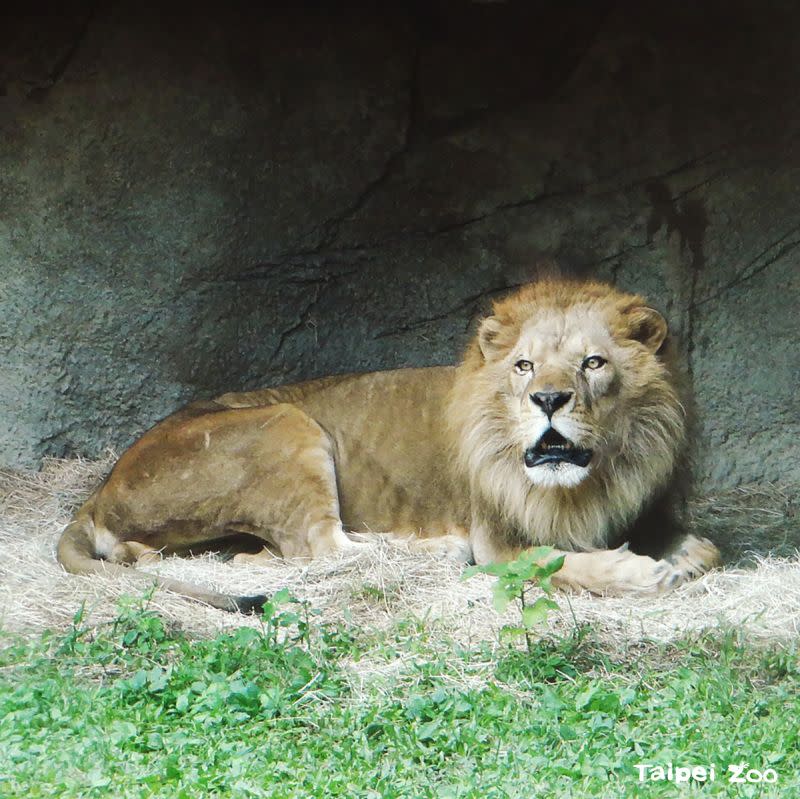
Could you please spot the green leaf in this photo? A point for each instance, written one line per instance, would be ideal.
(537, 612)
(122, 731)
(566, 732)
(282, 597)
(538, 553)
(510, 631)
(522, 565)
(500, 597)
(246, 635)
(497, 569)
(552, 566)
(493, 569)
(584, 698)
(471, 571)
(139, 680)
(97, 779)
(79, 614)
(550, 699)
(427, 731)
(157, 678)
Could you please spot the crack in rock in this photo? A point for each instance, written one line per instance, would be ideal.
(468, 303)
(302, 320)
(749, 273)
(40, 92)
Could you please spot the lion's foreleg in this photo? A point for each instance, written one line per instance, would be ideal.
(605, 571)
(615, 572)
(694, 556)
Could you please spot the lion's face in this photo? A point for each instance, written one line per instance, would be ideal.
(570, 383)
(564, 385)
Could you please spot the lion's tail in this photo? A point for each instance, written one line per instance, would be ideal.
(77, 554)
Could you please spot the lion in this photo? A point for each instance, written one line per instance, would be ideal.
(563, 425)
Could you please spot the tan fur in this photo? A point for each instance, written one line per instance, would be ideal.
(433, 456)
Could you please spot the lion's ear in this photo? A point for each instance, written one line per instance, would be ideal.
(648, 327)
(488, 333)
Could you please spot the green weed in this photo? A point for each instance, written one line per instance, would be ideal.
(516, 580)
(138, 709)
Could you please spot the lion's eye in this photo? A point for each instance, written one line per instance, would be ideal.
(593, 362)
(523, 367)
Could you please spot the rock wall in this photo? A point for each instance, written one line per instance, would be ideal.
(193, 201)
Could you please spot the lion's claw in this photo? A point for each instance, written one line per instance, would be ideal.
(695, 557)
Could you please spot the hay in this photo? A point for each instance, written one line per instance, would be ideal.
(376, 587)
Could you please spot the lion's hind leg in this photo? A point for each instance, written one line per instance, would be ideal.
(291, 501)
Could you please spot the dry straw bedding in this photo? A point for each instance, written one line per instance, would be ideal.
(375, 588)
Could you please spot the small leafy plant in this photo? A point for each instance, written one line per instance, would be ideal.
(516, 579)
(277, 621)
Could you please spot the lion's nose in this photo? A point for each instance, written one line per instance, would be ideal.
(551, 401)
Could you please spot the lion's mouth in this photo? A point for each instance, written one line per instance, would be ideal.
(553, 448)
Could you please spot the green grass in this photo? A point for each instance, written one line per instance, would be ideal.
(136, 710)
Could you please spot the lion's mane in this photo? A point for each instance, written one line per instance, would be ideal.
(643, 445)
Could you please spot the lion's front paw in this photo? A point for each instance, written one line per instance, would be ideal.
(620, 571)
(640, 574)
(695, 557)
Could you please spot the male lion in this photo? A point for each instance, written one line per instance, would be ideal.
(562, 426)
